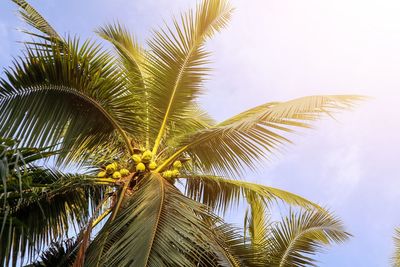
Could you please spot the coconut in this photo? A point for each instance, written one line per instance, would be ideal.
(124, 172)
(117, 175)
(167, 174)
(140, 167)
(110, 168)
(152, 165)
(147, 156)
(177, 164)
(102, 174)
(175, 173)
(136, 158)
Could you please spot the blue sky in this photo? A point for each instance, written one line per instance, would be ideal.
(282, 49)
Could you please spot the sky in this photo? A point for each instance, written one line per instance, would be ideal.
(276, 50)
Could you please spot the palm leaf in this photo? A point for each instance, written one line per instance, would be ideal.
(131, 53)
(238, 248)
(220, 193)
(256, 222)
(176, 65)
(131, 61)
(33, 18)
(158, 226)
(59, 254)
(74, 96)
(47, 207)
(248, 138)
(300, 236)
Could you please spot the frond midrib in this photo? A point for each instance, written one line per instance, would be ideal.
(161, 206)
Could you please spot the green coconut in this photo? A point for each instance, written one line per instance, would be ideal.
(177, 164)
(152, 165)
(110, 168)
(140, 167)
(102, 174)
(136, 158)
(117, 175)
(147, 156)
(124, 172)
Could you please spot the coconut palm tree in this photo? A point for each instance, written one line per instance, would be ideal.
(155, 171)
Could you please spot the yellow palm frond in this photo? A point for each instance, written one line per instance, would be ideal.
(250, 137)
(299, 236)
(177, 65)
(220, 193)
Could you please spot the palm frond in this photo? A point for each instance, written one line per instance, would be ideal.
(33, 18)
(60, 254)
(300, 236)
(396, 255)
(132, 58)
(238, 248)
(220, 193)
(74, 96)
(158, 226)
(249, 138)
(49, 204)
(256, 222)
(131, 53)
(176, 65)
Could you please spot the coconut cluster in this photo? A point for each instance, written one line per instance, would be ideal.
(113, 171)
(144, 161)
(174, 171)
(140, 162)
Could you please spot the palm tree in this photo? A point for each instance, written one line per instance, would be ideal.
(165, 167)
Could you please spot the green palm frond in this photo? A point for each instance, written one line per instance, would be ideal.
(33, 18)
(60, 254)
(220, 193)
(82, 112)
(176, 65)
(252, 136)
(131, 53)
(158, 226)
(396, 255)
(238, 248)
(49, 204)
(300, 236)
(131, 60)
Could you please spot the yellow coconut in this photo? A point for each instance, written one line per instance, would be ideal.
(136, 158)
(102, 174)
(124, 172)
(147, 156)
(175, 173)
(140, 167)
(110, 168)
(117, 175)
(167, 174)
(152, 165)
(177, 164)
